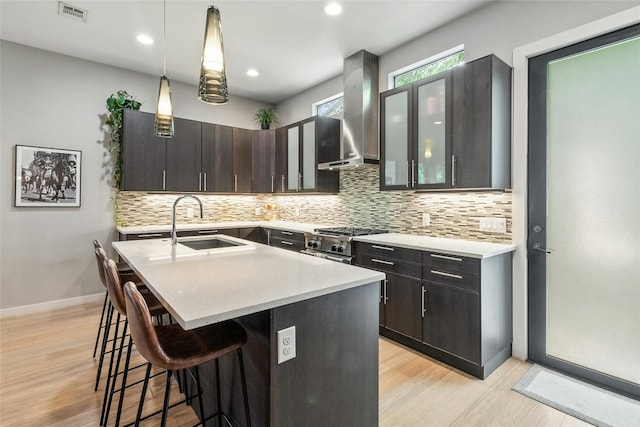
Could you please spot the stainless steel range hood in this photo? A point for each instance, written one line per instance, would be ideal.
(359, 145)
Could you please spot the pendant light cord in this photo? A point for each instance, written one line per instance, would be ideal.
(164, 37)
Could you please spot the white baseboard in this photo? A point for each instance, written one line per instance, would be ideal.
(50, 305)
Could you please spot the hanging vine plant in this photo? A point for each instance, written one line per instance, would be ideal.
(116, 104)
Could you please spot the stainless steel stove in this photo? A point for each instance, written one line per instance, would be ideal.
(334, 243)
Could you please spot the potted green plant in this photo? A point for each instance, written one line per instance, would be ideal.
(116, 104)
(265, 117)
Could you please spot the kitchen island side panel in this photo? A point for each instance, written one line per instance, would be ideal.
(333, 380)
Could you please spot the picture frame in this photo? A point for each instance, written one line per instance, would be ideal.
(47, 177)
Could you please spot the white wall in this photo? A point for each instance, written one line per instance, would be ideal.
(52, 100)
(497, 28)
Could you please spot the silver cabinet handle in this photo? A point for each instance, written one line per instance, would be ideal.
(205, 181)
(208, 231)
(424, 310)
(283, 184)
(164, 179)
(284, 242)
(413, 173)
(286, 233)
(441, 273)
(235, 183)
(200, 181)
(386, 298)
(450, 258)
(273, 188)
(379, 261)
(299, 181)
(149, 236)
(539, 247)
(453, 170)
(386, 248)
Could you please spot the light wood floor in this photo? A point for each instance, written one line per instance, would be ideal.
(47, 376)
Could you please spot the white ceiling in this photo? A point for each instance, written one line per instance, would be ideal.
(293, 43)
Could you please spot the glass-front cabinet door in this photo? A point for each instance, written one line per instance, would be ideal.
(309, 164)
(396, 138)
(431, 164)
(293, 157)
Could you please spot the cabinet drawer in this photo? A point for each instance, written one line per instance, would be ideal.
(460, 280)
(387, 252)
(451, 263)
(141, 236)
(287, 235)
(292, 245)
(388, 265)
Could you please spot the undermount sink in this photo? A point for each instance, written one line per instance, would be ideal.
(208, 244)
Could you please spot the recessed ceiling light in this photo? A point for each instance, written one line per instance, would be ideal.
(252, 72)
(144, 39)
(333, 9)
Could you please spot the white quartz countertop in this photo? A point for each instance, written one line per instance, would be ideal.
(280, 225)
(466, 248)
(204, 287)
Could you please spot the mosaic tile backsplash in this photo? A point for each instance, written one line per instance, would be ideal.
(359, 203)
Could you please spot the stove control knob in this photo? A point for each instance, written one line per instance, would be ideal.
(316, 244)
(334, 248)
(340, 248)
(310, 243)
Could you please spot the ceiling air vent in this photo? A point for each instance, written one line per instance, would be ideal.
(72, 12)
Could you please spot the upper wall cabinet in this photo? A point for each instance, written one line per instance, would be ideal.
(143, 154)
(263, 169)
(309, 142)
(450, 131)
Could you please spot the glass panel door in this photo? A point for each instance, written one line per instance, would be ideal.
(309, 164)
(293, 157)
(584, 210)
(432, 150)
(395, 134)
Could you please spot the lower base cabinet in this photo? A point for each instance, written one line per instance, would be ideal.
(452, 321)
(456, 309)
(403, 308)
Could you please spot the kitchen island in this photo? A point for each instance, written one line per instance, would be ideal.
(333, 380)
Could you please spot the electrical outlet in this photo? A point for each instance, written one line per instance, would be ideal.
(257, 211)
(286, 344)
(189, 212)
(493, 225)
(426, 219)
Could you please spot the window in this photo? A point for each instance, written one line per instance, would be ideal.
(428, 67)
(329, 107)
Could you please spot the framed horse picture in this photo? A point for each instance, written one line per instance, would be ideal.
(47, 177)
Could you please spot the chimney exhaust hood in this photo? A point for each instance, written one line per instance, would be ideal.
(359, 145)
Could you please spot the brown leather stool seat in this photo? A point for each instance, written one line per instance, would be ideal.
(116, 297)
(172, 348)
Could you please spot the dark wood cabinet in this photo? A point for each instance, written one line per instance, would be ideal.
(284, 239)
(309, 142)
(402, 309)
(452, 321)
(217, 158)
(263, 178)
(451, 131)
(280, 171)
(454, 308)
(184, 157)
(242, 158)
(143, 154)
(481, 131)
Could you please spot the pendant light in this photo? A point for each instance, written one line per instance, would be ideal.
(213, 77)
(163, 125)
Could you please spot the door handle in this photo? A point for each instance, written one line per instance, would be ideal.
(539, 247)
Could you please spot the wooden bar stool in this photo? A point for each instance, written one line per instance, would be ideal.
(116, 297)
(172, 348)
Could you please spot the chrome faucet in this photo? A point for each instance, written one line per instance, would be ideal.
(174, 234)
